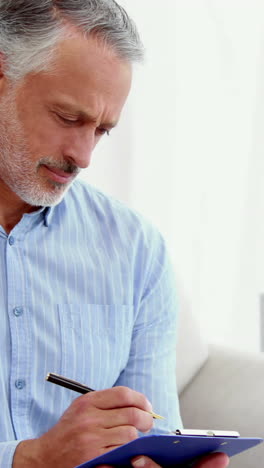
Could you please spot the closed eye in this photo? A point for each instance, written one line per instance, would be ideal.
(67, 121)
(102, 131)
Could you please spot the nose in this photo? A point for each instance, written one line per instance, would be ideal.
(79, 147)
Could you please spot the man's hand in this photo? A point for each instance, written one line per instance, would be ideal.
(94, 424)
(217, 460)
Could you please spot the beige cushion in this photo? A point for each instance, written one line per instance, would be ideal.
(227, 394)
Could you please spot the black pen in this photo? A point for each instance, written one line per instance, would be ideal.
(80, 388)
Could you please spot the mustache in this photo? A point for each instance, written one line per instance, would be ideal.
(65, 166)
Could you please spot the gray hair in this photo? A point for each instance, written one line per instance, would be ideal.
(31, 29)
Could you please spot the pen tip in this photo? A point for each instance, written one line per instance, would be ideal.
(156, 416)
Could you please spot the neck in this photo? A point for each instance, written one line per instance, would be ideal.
(12, 209)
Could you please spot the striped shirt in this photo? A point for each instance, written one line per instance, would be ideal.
(87, 292)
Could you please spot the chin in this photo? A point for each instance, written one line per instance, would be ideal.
(44, 199)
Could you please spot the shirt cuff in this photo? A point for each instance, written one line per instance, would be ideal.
(7, 451)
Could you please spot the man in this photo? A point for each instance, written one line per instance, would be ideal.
(86, 286)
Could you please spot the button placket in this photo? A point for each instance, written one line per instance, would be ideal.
(20, 333)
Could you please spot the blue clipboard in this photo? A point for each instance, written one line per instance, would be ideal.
(172, 450)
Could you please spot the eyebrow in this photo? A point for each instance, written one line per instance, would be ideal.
(84, 115)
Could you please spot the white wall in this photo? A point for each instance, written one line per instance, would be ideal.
(189, 153)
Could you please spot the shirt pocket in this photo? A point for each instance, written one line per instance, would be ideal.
(95, 342)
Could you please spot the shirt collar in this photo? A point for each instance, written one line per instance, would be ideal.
(48, 214)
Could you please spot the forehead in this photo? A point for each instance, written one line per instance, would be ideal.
(86, 73)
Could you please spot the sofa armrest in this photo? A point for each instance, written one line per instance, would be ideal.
(228, 393)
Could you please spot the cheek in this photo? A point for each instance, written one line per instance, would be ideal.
(43, 138)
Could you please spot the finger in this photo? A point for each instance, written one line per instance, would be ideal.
(118, 397)
(132, 416)
(217, 460)
(117, 436)
(104, 466)
(143, 462)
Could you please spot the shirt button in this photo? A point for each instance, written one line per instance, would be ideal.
(11, 240)
(18, 311)
(20, 384)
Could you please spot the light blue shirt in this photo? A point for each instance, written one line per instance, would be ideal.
(87, 292)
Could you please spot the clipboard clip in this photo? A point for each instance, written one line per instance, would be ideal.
(206, 432)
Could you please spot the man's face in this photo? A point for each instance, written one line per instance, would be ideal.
(51, 122)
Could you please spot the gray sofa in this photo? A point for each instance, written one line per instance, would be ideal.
(220, 388)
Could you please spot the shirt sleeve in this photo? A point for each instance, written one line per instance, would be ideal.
(7, 451)
(151, 367)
